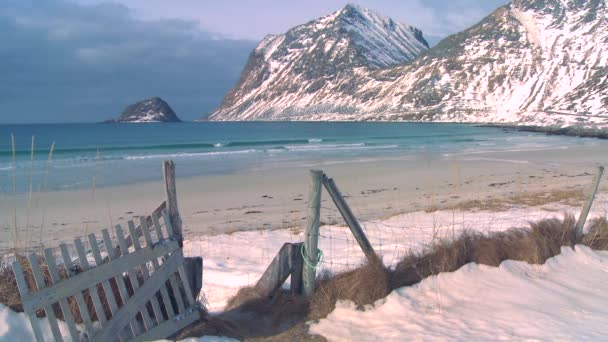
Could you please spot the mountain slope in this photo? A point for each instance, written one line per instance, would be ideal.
(315, 60)
(532, 61)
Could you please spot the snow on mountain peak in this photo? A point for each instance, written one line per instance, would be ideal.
(531, 61)
(305, 60)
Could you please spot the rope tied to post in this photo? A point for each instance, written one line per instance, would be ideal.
(307, 261)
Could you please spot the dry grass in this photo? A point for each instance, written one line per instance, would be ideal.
(282, 318)
(571, 197)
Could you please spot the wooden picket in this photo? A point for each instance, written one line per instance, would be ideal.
(137, 283)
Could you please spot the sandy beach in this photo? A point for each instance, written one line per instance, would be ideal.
(274, 196)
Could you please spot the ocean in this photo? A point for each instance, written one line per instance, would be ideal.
(99, 155)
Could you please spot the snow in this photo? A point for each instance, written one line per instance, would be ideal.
(564, 299)
(229, 267)
(16, 326)
(445, 298)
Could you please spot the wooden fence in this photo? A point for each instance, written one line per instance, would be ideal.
(134, 291)
(301, 260)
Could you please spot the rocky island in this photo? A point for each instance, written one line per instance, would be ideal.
(153, 109)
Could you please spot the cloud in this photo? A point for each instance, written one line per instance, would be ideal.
(255, 19)
(62, 61)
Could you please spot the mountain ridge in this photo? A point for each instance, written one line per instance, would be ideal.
(531, 62)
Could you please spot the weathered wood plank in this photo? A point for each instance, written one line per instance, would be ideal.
(23, 291)
(177, 294)
(155, 265)
(311, 238)
(84, 264)
(141, 297)
(145, 274)
(156, 223)
(171, 192)
(168, 328)
(580, 223)
(138, 232)
(92, 276)
(168, 225)
(277, 272)
(194, 270)
(350, 218)
(163, 291)
(48, 309)
(186, 284)
(63, 303)
(298, 265)
(82, 306)
(120, 283)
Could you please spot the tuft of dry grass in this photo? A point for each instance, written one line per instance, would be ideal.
(363, 286)
(571, 197)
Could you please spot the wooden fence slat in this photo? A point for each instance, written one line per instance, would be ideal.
(168, 328)
(298, 266)
(146, 272)
(82, 306)
(93, 275)
(63, 303)
(138, 232)
(350, 218)
(159, 231)
(24, 290)
(107, 289)
(186, 282)
(48, 308)
(141, 297)
(171, 193)
(168, 225)
(84, 264)
(156, 266)
(164, 292)
(277, 272)
(174, 284)
(133, 276)
(120, 283)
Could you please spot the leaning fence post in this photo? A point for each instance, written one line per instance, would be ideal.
(580, 224)
(171, 192)
(350, 218)
(312, 232)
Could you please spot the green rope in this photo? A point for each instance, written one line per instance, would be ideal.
(307, 261)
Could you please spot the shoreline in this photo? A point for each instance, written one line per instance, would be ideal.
(275, 198)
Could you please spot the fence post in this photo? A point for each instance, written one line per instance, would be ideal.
(580, 223)
(171, 192)
(312, 231)
(350, 218)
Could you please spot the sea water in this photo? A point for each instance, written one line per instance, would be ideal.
(98, 155)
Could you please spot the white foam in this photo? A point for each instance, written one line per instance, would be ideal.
(187, 155)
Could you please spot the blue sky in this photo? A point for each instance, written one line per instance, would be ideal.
(85, 60)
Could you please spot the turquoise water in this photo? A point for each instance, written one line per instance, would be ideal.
(112, 154)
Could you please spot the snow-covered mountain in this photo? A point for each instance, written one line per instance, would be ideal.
(153, 109)
(313, 63)
(531, 61)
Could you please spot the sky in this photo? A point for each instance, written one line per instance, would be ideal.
(85, 60)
